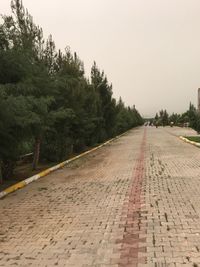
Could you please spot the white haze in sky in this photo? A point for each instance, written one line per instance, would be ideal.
(149, 49)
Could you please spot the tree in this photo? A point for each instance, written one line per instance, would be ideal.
(106, 104)
(47, 105)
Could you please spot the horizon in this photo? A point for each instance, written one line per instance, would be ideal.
(149, 51)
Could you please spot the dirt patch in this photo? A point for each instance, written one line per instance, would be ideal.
(24, 171)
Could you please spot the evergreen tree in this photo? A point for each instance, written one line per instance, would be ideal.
(46, 102)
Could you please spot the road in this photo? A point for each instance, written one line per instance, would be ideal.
(135, 202)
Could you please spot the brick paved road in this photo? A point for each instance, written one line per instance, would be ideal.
(135, 202)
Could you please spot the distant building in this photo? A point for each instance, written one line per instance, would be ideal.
(198, 100)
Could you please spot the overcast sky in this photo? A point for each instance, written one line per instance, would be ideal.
(149, 49)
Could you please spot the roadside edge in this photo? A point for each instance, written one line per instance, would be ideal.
(189, 142)
(31, 179)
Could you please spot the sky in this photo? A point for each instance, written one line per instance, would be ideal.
(149, 49)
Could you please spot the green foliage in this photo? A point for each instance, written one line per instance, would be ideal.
(47, 104)
(162, 118)
(190, 118)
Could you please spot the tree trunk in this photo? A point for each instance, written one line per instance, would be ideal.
(36, 155)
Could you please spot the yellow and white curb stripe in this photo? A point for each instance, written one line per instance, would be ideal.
(54, 168)
(189, 142)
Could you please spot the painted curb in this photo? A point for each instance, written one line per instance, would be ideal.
(31, 179)
(189, 142)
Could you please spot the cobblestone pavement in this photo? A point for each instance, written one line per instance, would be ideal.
(135, 202)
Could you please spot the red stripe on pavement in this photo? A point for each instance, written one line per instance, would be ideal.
(134, 226)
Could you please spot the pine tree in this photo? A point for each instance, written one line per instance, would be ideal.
(47, 105)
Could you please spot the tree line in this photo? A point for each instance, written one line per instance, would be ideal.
(47, 104)
(191, 117)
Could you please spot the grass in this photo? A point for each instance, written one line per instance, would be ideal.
(193, 138)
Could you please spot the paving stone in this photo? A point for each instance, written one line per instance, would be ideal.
(135, 202)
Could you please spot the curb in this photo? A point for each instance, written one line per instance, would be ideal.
(31, 179)
(189, 142)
